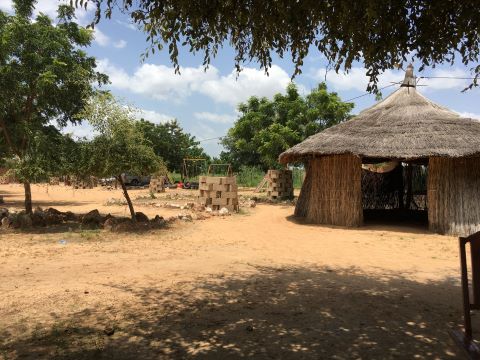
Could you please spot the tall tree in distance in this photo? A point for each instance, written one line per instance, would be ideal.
(265, 128)
(44, 75)
(171, 142)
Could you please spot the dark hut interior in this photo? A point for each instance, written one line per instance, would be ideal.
(394, 192)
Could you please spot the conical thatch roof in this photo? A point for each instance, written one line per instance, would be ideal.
(406, 125)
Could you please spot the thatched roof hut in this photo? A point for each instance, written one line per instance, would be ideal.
(407, 127)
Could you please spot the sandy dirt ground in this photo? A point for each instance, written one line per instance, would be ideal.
(257, 285)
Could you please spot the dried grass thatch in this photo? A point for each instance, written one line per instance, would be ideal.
(405, 126)
(331, 192)
(453, 195)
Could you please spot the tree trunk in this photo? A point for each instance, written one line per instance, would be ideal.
(127, 197)
(28, 197)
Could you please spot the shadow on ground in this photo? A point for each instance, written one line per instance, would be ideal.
(378, 224)
(277, 313)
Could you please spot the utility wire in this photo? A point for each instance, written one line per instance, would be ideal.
(446, 77)
(359, 96)
(419, 77)
(214, 138)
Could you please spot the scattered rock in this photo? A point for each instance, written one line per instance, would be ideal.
(158, 221)
(125, 226)
(70, 216)
(23, 220)
(208, 209)
(199, 207)
(3, 213)
(201, 216)
(249, 328)
(110, 224)
(141, 217)
(53, 216)
(173, 206)
(109, 330)
(184, 217)
(114, 201)
(38, 219)
(7, 222)
(92, 218)
(223, 212)
(52, 211)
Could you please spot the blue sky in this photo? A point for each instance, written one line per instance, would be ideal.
(205, 102)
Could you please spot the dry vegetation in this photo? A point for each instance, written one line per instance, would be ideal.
(253, 285)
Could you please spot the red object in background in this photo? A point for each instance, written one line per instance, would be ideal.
(180, 185)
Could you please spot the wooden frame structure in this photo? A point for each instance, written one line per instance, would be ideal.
(464, 339)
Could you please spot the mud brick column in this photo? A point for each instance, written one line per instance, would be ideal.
(157, 185)
(218, 192)
(280, 184)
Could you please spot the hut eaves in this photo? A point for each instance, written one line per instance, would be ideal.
(404, 126)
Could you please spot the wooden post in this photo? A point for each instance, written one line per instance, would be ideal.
(465, 339)
(408, 199)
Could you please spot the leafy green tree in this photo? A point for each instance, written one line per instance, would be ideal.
(382, 34)
(266, 128)
(45, 76)
(119, 147)
(40, 160)
(171, 142)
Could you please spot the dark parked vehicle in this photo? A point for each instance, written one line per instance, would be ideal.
(134, 180)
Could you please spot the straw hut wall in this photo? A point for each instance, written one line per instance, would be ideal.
(453, 192)
(405, 127)
(333, 194)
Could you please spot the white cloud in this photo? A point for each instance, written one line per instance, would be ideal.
(128, 25)
(100, 38)
(161, 82)
(80, 131)
(356, 79)
(48, 7)
(157, 81)
(215, 118)
(6, 5)
(467, 114)
(120, 44)
(233, 88)
(153, 116)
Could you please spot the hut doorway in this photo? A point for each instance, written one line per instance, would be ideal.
(395, 192)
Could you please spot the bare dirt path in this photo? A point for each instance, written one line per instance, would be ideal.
(255, 285)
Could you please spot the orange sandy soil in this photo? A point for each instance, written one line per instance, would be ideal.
(255, 285)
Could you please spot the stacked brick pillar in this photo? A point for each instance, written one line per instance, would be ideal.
(280, 184)
(218, 192)
(157, 184)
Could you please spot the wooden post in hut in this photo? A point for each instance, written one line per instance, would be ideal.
(408, 179)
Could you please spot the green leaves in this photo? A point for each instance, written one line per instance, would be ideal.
(119, 146)
(44, 77)
(171, 142)
(379, 33)
(266, 128)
